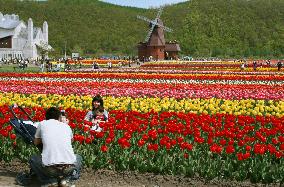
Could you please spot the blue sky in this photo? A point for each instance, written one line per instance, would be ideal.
(143, 3)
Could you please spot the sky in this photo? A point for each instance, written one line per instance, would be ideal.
(143, 3)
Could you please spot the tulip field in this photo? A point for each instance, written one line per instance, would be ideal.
(206, 119)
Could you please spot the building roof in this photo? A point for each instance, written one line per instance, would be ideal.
(9, 23)
(172, 47)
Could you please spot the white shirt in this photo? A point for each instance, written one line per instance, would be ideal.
(56, 138)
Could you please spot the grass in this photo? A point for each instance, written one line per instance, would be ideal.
(15, 68)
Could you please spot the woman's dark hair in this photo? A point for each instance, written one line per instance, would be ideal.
(52, 113)
(99, 99)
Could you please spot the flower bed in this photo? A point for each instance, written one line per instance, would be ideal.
(213, 124)
(210, 65)
(234, 147)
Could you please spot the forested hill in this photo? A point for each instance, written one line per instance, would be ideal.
(231, 28)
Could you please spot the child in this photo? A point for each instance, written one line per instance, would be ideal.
(98, 118)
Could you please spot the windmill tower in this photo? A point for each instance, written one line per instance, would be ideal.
(154, 45)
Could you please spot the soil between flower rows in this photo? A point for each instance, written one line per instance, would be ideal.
(108, 178)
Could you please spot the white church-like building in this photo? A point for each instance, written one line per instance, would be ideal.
(21, 41)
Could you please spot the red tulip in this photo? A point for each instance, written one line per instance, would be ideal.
(104, 148)
(189, 147)
(230, 149)
(281, 147)
(141, 143)
(4, 132)
(108, 140)
(185, 155)
(223, 142)
(246, 155)
(240, 156)
(248, 148)
(88, 140)
(9, 128)
(72, 125)
(278, 154)
(12, 136)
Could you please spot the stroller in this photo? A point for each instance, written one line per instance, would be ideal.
(26, 130)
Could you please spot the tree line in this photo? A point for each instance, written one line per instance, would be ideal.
(217, 28)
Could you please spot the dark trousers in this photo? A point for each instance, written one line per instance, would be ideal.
(49, 174)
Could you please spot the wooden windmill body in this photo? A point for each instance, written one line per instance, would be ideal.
(155, 47)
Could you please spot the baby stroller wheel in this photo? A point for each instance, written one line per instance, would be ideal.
(24, 178)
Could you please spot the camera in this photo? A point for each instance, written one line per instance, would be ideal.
(62, 112)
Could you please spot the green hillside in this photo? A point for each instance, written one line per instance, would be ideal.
(231, 28)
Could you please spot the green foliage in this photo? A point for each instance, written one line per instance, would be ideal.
(15, 68)
(225, 28)
(210, 166)
(236, 28)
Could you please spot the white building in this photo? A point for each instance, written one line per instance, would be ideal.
(18, 40)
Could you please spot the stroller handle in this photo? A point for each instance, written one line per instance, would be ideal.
(21, 108)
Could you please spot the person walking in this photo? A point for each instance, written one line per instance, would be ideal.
(42, 66)
(254, 64)
(279, 65)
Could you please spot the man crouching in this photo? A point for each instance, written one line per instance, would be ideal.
(57, 165)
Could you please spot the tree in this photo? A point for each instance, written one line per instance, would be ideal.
(78, 49)
(44, 49)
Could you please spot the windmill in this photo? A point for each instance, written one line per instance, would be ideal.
(154, 24)
(154, 44)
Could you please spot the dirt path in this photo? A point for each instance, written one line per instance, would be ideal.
(107, 178)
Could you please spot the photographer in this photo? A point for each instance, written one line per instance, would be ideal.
(57, 165)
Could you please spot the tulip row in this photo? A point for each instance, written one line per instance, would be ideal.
(99, 61)
(209, 65)
(143, 81)
(199, 65)
(234, 71)
(189, 65)
(192, 62)
(144, 104)
(272, 61)
(119, 88)
(232, 147)
(142, 76)
(260, 62)
(220, 69)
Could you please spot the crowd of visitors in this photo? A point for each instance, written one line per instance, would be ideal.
(62, 64)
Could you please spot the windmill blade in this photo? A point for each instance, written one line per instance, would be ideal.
(149, 33)
(159, 13)
(144, 18)
(165, 28)
(153, 22)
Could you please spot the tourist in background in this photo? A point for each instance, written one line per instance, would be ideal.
(279, 65)
(42, 66)
(254, 65)
(243, 66)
